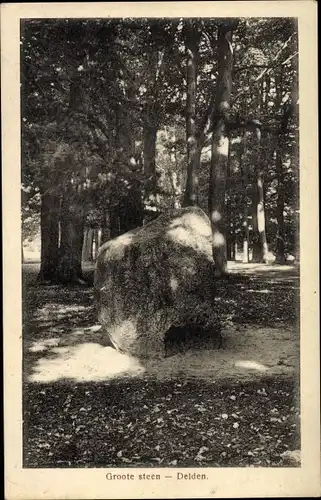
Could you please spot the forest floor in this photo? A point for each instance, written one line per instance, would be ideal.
(86, 405)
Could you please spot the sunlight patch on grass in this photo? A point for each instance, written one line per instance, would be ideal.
(85, 362)
(93, 329)
(43, 345)
(37, 348)
(69, 309)
(252, 268)
(251, 365)
(57, 308)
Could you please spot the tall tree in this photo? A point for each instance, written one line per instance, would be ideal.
(73, 210)
(260, 246)
(220, 145)
(289, 110)
(49, 223)
(118, 77)
(244, 185)
(72, 224)
(192, 38)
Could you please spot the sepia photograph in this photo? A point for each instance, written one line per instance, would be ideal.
(160, 215)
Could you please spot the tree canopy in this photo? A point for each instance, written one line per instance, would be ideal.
(125, 118)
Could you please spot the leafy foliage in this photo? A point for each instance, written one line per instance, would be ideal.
(95, 92)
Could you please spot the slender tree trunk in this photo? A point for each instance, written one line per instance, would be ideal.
(244, 175)
(90, 244)
(280, 242)
(229, 248)
(99, 238)
(105, 230)
(220, 144)
(131, 207)
(72, 223)
(114, 223)
(261, 218)
(150, 136)
(229, 235)
(235, 249)
(233, 255)
(84, 253)
(176, 189)
(228, 195)
(256, 246)
(50, 204)
(22, 252)
(245, 238)
(289, 110)
(193, 153)
(193, 168)
(259, 242)
(96, 243)
(87, 245)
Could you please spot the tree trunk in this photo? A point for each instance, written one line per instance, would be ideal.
(261, 217)
(84, 255)
(105, 230)
(193, 153)
(176, 189)
(131, 211)
(99, 238)
(96, 243)
(229, 238)
(22, 252)
(245, 259)
(217, 199)
(87, 245)
(280, 243)
(150, 136)
(220, 143)
(244, 175)
(235, 253)
(256, 246)
(114, 223)
(50, 204)
(229, 248)
(193, 168)
(260, 246)
(72, 221)
(289, 110)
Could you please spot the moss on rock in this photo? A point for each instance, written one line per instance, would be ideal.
(155, 277)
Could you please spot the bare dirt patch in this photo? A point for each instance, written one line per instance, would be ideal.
(259, 309)
(249, 353)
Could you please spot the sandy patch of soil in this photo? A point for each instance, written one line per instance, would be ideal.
(249, 353)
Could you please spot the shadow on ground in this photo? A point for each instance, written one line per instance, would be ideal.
(86, 405)
(62, 340)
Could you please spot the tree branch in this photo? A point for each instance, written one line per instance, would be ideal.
(267, 69)
(252, 66)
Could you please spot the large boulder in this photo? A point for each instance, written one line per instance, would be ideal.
(155, 278)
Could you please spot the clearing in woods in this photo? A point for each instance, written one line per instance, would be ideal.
(87, 405)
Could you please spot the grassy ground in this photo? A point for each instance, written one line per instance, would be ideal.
(234, 408)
